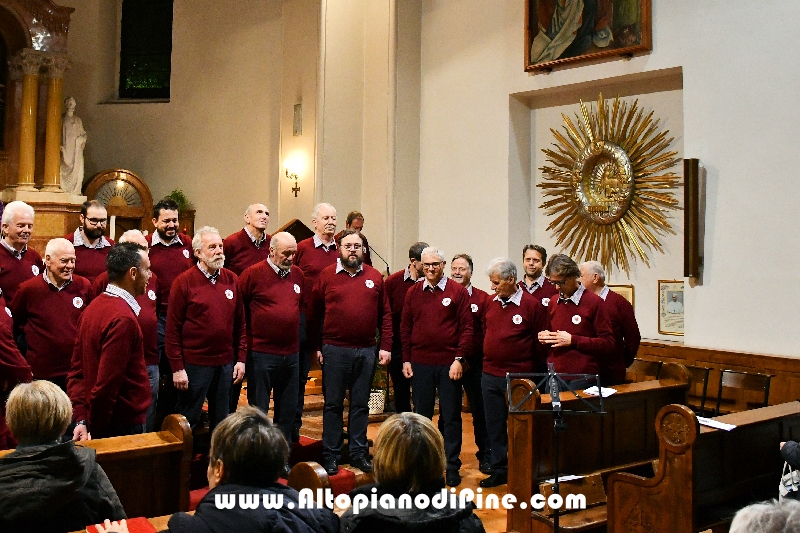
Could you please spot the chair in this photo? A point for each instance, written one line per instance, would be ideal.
(698, 388)
(742, 391)
(641, 370)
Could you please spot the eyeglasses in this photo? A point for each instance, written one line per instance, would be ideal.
(352, 246)
(432, 266)
(557, 282)
(97, 221)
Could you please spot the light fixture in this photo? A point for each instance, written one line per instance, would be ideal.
(293, 176)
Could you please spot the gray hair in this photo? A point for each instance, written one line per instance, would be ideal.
(768, 517)
(12, 208)
(283, 237)
(249, 207)
(319, 206)
(503, 267)
(594, 267)
(132, 235)
(57, 244)
(197, 240)
(430, 250)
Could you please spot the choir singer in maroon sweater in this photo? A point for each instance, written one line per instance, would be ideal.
(348, 300)
(18, 263)
(205, 337)
(623, 322)
(91, 246)
(436, 330)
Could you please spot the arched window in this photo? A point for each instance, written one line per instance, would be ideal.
(145, 49)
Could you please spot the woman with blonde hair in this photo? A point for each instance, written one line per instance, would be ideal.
(409, 467)
(48, 485)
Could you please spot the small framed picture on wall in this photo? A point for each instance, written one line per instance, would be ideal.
(626, 291)
(670, 307)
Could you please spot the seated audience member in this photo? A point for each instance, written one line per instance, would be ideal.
(247, 455)
(409, 459)
(47, 485)
(768, 517)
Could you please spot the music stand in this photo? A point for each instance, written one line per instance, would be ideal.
(556, 384)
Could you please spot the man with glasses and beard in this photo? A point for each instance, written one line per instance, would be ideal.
(348, 300)
(205, 336)
(91, 246)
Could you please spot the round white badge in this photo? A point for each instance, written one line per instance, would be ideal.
(576, 319)
(8, 312)
(77, 302)
(369, 283)
(446, 302)
(297, 288)
(35, 270)
(229, 294)
(186, 254)
(474, 308)
(545, 301)
(151, 294)
(516, 319)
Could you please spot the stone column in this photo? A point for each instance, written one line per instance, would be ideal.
(55, 64)
(30, 61)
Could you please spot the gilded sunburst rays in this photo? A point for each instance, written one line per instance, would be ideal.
(607, 184)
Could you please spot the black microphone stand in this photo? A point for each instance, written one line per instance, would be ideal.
(371, 249)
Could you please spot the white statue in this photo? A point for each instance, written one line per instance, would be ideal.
(73, 141)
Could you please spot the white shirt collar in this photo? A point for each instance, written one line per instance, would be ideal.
(318, 242)
(157, 239)
(516, 298)
(604, 292)
(258, 242)
(575, 298)
(340, 268)
(441, 285)
(77, 240)
(119, 292)
(537, 284)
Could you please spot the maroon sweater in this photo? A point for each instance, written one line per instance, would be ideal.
(272, 309)
(592, 336)
(148, 320)
(311, 261)
(13, 369)
(49, 319)
(353, 308)
(437, 325)
(547, 290)
(205, 321)
(108, 381)
(168, 262)
(241, 252)
(14, 271)
(89, 262)
(478, 301)
(395, 289)
(626, 337)
(511, 343)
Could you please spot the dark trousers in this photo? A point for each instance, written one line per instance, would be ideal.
(168, 396)
(496, 408)
(427, 379)
(212, 382)
(346, 369)
(401, 385)
(471, 381)
(153, 377)
(304, 365)
(276, 374)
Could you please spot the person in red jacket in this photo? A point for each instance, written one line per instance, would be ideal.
(348, 300)
(18, 263)
(46, 311)
(107, 380)
(205, 337)
(623, 321)
(436, 329)
(91, 246)
(578, 332)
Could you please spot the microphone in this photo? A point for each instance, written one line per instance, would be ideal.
(555, 394)
(371, 249)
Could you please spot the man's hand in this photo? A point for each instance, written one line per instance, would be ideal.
(81, 433)
(180, 380)
(238, 372)
(112, 527)
(407, 372)
(562, 339)
(547, 337)
(456, 371)
(782, 443)
(384, 357)
(319, 357)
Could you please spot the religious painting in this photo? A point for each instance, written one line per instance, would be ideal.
(626, 291)
(562, 32)
(670, 307)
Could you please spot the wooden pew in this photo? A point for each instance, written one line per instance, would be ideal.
(150, 472)
(622, 437)
(705, 475)
(311, 475)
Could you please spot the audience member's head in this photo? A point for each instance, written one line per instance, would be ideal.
(38, 412)
(246, 449)
(768, 517)
(409, 453)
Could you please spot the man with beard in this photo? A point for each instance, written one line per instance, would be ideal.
(250, 245)
(18, 263)
(271, 291)
(205, 336)
(313, 254)
(348, 300)
(46, 310)
(91, 247)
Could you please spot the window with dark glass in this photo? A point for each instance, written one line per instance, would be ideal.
(145, 49)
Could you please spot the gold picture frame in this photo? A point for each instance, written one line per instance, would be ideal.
(670, 307)
(626, 291)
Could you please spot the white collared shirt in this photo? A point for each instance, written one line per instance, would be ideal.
(515, 299)
(441, 285)
(157, 239)
(279, 271)
(258, 242)
(77, 240)
(575, 298)
(341, 268)
(119, 292)
(56, 287)
(318, 242)
(604, 292)
(16, 253)
(538, 284)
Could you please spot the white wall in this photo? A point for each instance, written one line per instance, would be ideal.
(740, 120)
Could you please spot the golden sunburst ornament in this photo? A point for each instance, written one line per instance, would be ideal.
(609, 184)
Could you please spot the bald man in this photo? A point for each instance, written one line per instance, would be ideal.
(46, 309)
(247, 247)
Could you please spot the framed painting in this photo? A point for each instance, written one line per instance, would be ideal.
(626, 291)
(565, 32)
(670, 307)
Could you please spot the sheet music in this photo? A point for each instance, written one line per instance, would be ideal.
(563, 478)
(710, 422)
(592, 391)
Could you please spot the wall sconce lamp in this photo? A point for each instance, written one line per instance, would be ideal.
(293, 176)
